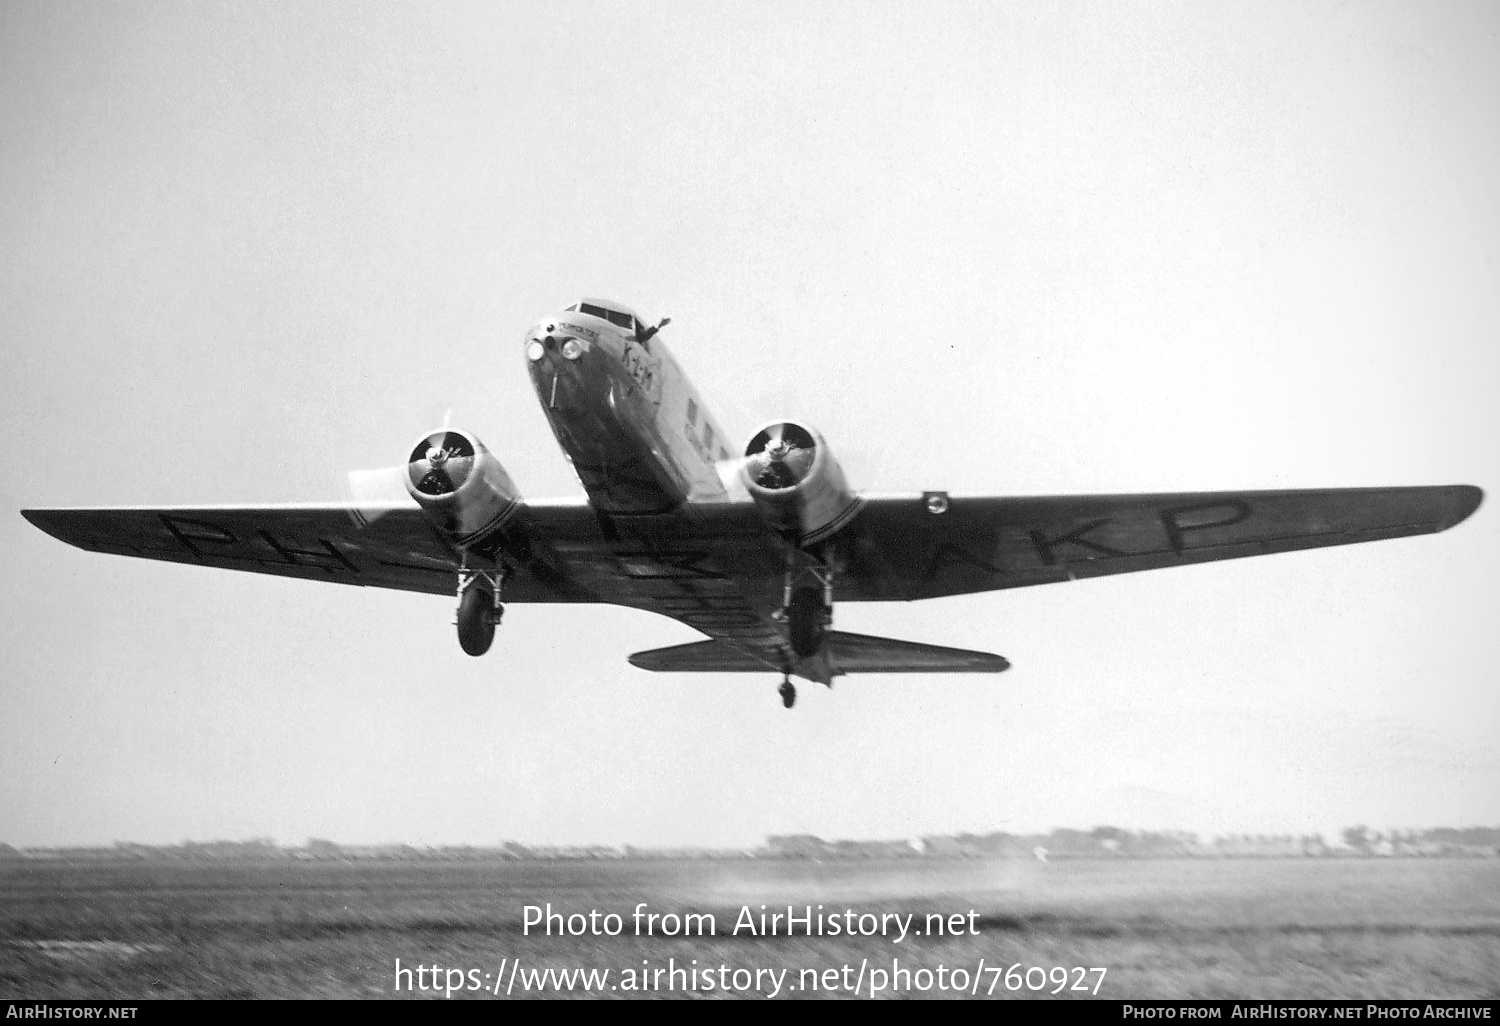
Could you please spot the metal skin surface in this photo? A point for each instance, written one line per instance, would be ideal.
(661, 530)
(804, 492)
(649, 455)
(463, 487)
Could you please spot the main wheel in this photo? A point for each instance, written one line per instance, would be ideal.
(476, 620)
(788, 692)
(805, 619)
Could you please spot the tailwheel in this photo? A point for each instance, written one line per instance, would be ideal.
(807, 617)
(788, 692)
(478, 613)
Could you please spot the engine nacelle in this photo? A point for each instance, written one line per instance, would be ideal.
(461, 485)
(796, 483)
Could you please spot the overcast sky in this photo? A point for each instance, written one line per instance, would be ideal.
(993, 248)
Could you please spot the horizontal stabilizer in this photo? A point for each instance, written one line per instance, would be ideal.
(848, 653)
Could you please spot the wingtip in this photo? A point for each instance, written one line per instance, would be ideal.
(1466, 499)
(38, 518)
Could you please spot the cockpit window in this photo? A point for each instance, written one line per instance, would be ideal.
(572, 308)
(619, 320)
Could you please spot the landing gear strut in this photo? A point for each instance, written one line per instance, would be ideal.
(479, 608)
(807, 619)
(806, 610)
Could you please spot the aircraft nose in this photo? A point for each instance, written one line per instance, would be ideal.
(545, 342)
(540, 340)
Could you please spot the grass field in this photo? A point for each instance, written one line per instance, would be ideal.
(1309, 928)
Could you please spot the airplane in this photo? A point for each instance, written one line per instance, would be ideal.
(752, 548)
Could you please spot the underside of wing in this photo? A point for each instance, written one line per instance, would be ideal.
(847, 653)
(717, 567)
(930, 545)
(338, 542)
(315, 542)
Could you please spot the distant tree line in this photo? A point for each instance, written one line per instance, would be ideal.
(1062, 843)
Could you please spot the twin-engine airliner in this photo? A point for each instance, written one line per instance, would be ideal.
(752, 547)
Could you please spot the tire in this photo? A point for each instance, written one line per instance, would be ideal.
(476, 625)
(805, 620)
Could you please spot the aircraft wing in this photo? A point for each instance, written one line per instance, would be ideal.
(702, 563)
(393, 546)
(912, 547)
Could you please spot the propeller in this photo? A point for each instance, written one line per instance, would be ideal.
(780, 456)
(441, 463)
(437, 466)
(787, 396)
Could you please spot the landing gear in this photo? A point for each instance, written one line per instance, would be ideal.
(807, 606)
(806, 611)
(807, 620)
(479, 609)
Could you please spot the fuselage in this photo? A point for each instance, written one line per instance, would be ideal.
(637, 432)
(653, 460)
